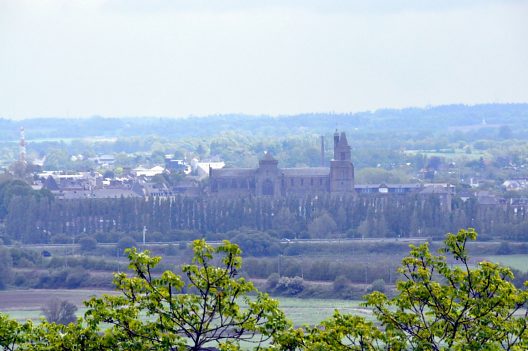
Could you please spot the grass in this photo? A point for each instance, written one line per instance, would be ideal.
(519, 262)
(313, 311)
(23, 305)
(34, 315)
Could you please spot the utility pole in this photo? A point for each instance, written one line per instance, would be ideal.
(144, 234)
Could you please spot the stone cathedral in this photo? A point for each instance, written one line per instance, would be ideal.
(270, 180)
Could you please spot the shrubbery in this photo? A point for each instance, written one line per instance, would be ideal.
(69, 278)
(341, 283)
(87, 244)
(377, 285)
(290, 286)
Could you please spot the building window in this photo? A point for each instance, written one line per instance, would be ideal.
(267, 187)
(343, 156)
(302, 181)
(320, 181)
(292, 182)
(311, 181)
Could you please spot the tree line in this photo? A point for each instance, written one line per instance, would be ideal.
(33, 218)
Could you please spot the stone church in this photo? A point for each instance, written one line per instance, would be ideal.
(270, 180)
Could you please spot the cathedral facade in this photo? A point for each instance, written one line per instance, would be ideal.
(270, 180)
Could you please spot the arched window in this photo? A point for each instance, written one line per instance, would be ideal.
(267, 187)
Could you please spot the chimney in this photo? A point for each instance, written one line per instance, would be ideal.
(322, 151)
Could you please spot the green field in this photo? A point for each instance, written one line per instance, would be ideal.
(519, 262)
(23, 305)
(313, 311)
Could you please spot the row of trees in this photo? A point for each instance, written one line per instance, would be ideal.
(33, 218)
(437, 307)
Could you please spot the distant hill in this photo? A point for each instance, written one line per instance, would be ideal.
(438, 119)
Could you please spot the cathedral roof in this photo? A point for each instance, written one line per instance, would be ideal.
(343, 140)
(234, 172)
(306, 172)
(268, 156)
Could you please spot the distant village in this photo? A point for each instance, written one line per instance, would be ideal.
(212, 177)
(144, 182)
(136, 182)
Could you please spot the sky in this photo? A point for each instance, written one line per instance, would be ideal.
(175, 58)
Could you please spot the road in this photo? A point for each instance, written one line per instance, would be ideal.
(218, 242)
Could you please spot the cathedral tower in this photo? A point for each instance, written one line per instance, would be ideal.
(267, 177)
(341, 167)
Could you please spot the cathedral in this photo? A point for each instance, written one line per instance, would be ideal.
(270, 180)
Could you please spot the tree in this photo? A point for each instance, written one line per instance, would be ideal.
(443, 307)
(6, 265)
(322, 226)
(125, 243)
(46, 336)
(438, 307)
(341, 283)
(59, 311)
(154, 313)
(87, 243)
(378, 285)
(256, 243)
(505, 132)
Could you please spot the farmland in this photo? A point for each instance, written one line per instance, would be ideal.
(26, 304)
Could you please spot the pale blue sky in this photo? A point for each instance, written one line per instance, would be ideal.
(74, 58)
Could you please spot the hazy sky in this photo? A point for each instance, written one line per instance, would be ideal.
(75, 58)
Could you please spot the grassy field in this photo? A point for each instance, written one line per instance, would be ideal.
(519, 262)
(26, 304)
(313, 311)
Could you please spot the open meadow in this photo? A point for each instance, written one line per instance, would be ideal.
(26, 304)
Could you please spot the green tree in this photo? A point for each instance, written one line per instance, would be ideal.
(443, 307)
(154, 313)
(438, 307)
(46, 336)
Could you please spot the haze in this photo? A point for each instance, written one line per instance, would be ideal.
(179, 58)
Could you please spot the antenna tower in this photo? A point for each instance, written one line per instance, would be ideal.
(22, 146)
